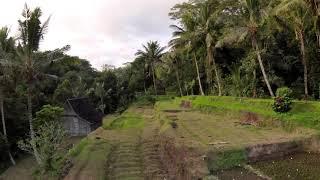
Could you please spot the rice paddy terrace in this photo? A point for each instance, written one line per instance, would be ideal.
(201, 138)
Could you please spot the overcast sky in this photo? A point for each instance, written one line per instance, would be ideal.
(101, 31)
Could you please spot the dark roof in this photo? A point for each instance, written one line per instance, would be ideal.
(85, 110)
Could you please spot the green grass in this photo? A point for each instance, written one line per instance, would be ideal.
(89, 158)
(303, 113)
(125, 121)
(79, 147)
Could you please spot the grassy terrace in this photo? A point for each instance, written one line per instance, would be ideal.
(212, 125)
(306, 113)
(214, 121)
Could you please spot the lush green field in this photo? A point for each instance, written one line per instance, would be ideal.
(126, 120)
(306, 113)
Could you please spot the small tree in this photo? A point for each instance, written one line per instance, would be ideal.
(101, 93)
(48, 138)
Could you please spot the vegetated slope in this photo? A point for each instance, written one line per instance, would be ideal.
(89, 159)
(213, 122)
(130, 146)
(126, 154)
(305, 113)
(147, 142)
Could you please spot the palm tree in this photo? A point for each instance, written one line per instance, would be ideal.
(172, 62)
(254, 20)
(252, 17)
(208, 27)
(151, 54)
(6, 48)
(32, 31)
(314, 6)
(186, 39)
(297, 16)
(200, 25)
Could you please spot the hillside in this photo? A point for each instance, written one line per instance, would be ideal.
(172, 140)
(194, 137)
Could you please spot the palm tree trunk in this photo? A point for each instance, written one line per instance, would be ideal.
(304, 62)
(217, 77)
(144, 82)
(178, 80)
(32, 133)
(198, 75)
(254, 87)
(265, 77)
(211, 60)
(5, 127)
(154, 80)
(318, 38)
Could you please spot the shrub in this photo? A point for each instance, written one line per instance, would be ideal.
(284, 92)
(283, 101)
(282, 104)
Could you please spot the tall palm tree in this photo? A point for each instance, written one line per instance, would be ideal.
(32, 32)
(255, 18)
(7, 47)
(185, 38)
(151, 54)
(172, 62)
(208, 27)
(296, 15)
(200, 25)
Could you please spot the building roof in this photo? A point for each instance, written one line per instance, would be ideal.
(85, 110)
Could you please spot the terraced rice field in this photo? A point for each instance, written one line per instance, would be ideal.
(172, 142)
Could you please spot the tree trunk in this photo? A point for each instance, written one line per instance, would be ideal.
(254, 87)
(154, 80)
(318, 39)
(265, 77)
(144, 82)
(211, 60)
(304, 62)
(32, 133)
(5, 127)
(102, 104)
(178, 80)
(187, 90)
(198, 74)
(217, 77)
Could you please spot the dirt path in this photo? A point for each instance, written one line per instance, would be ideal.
(125, 162)
(138, 158)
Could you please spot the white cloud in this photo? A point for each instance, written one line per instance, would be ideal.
(102, 31)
